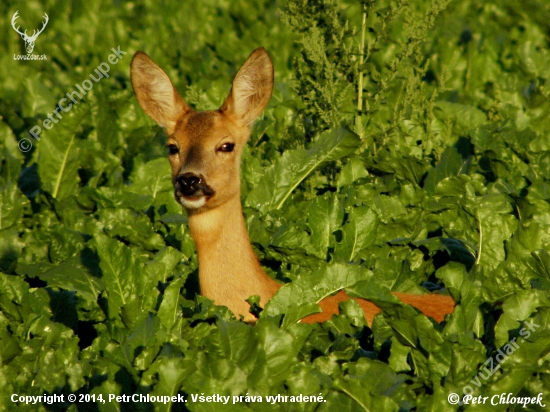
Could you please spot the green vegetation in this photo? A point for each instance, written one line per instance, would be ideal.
(420, 161)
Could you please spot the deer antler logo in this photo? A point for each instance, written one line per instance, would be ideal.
(29, 40)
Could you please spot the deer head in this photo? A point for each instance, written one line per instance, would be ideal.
(29, 40)
(205, 147)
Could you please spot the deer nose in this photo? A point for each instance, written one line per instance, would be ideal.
(189, 183)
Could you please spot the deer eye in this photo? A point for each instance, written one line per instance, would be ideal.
(172, 149)
(227, 147)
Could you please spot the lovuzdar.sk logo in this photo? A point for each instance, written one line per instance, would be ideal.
(29, 40)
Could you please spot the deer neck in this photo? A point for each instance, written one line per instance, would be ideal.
(229, 271)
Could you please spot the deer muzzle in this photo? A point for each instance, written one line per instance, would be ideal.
(192, 185)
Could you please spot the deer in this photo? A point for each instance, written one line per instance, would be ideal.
(204, 151)
(29, 40)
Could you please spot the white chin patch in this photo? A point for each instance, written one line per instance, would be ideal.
(192, 203)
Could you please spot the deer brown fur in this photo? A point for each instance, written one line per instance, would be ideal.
(205, 152)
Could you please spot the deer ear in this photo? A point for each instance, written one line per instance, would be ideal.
(251, 89)
(155, 93)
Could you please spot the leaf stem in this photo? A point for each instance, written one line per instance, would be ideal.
(62, 169)
(354, 397)
(480, 238)
(358, 122)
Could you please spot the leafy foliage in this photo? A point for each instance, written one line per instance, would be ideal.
(418, 161)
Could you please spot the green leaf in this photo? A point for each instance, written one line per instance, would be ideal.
(522, 305)
(37, 97)
(132, 226)
(11, 248)
(14, 295)
(58, 155)
(457, 250)
(324, 216)
(69, 275)
(451, 164)
(358, 233)
(12, 158)
(379, 378)
(12, 205)
(465, 118)
(312, 288)
(352, 171)
(120, 269)
(152, 178)
(171, 375)
(169, 309)
(282, 178)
